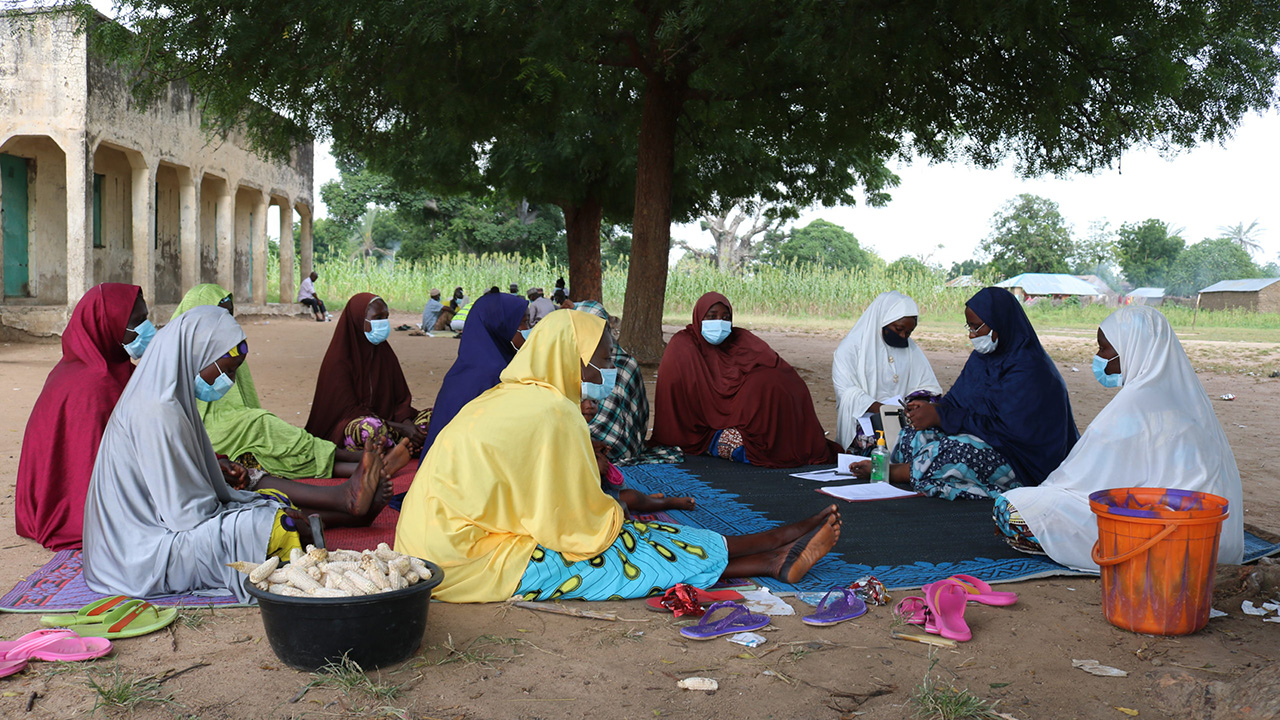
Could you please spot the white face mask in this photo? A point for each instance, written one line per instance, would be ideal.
(983, 344)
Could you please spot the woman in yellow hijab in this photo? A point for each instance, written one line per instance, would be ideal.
(508, 499)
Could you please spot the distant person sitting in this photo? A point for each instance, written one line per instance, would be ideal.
(431, 313)
(539, 306)
(456, 302)
(459, 319)
(307, 296)
(515, 289)
(560, 298)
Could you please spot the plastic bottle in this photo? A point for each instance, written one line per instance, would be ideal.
(880, 460)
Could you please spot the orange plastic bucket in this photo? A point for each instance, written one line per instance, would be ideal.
(1157, 550)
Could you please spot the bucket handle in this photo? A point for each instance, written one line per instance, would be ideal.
(1107, 562)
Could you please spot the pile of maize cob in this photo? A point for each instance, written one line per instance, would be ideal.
(335, 573)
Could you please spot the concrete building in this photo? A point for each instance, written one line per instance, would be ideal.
(94, 188)
(1258, 295)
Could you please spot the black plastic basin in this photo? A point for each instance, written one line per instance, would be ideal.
(373, 630)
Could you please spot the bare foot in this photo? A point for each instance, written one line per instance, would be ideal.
(795, 560)
(796, 530)
(655, 502)
(364, 483)
(396, 458)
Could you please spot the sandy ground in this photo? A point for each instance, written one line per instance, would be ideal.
(496, 662)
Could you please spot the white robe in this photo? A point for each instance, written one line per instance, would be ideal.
(1159, 431)
(867, 370)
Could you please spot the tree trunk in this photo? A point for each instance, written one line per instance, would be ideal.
(651, 227)
(582, 226)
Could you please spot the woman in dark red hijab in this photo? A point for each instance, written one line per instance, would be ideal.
(723, 391)
(69, 417)
(361, 391)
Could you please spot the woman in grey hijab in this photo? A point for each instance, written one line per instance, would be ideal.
(160, 517)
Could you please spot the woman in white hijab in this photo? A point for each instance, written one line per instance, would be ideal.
(160, 517)
(1159, 431)
(875, 362)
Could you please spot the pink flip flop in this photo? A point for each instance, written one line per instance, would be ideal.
(981, 592)
(946, 603)
(12, 667)
(57, 645)
(912, 609)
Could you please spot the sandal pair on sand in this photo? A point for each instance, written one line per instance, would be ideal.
(941, 610)
(837, 605)
(113, 618)
(51, 645)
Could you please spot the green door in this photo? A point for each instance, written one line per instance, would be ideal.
(13, 223)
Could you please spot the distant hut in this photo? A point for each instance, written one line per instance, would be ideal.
(1108, 296)
(1057, 286)
(1257, 295)
(964, 281)
(1145, 296)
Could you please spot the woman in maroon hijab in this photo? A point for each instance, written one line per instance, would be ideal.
(723, 391)
(69, 417)
(361, 392)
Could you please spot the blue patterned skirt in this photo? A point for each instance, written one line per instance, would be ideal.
(954, 467)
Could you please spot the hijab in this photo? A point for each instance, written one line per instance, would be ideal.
(66, 423)
(244, 393)
(1160, 430)
(160, 518)
(512, 471)
(357, 378)
(485, 349)
(867, 370)
(1014, 397)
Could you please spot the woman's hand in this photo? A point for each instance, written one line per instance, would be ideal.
(875, 407)
(861, 469)
(234, 473)
(411, 431)
(923, 415)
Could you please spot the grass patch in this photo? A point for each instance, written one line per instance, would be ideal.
(475, 652)
(118, 689)
(346, 676)
(935, 699)
(193, 618)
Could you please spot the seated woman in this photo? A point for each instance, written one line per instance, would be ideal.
(1005, 423)
(161, 517)
(508, 500)
(108, 326)
(1160, 430)
(621, 421)
(877, 361)
(361, 392)
(241, 430)
(723, 391)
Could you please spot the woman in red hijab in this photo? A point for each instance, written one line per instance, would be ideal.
(61, 442)
(361, 392)
(723, 391)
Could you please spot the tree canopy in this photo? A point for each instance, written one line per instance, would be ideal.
(820, 243)
(1208, 262)
(1029, 235)
(1146, 251)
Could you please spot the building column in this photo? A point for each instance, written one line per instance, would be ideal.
(226, 237)
(79, 218)
(304, 221)
(288, 291)
(144, 225)
(189, 227)
(260, 250)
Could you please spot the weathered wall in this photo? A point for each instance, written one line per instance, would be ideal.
(211, 190)
(246, 221)
(114, 261)
(168, 243)
(46, 217)
(1229, 300)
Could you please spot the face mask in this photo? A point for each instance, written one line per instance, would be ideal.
(715, 331)
(525, 333)
(211, 393)
(983, 344)
(893, 339)
(603, 389)
(145, 331)
(380, 332)
(1104, 378)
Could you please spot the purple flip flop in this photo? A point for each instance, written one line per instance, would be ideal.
(838, 605)
(738, 620)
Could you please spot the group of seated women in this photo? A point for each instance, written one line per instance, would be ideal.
(169, 471)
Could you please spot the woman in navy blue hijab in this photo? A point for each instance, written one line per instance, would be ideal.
(1005, 423)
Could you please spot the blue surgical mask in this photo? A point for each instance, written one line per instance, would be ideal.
(1107, 380)
(715, 331)
(212, 393)
(525, 333)
(145, 331)
(983, 344)
(603, 389)
(380, 332)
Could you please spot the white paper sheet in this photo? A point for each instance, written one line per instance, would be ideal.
(867, 491)
(839, 472)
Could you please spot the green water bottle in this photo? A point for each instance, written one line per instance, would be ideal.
(880, 460)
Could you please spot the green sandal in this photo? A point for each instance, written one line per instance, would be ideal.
(96, 611)
(139, 618)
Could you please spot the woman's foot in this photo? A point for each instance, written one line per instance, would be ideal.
(396, 458)
(363, 485)
(796, 530)
(795, 560)
(656, 502)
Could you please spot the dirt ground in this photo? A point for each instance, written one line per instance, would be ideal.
(493, 662)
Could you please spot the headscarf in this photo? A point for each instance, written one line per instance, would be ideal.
(66, 424)
(357, 378)
(1014, 397)
(244, 391)
(740, 383)
(485, 349)
(1159, 430)
(865, 366)
(160, 518)
(512, 471)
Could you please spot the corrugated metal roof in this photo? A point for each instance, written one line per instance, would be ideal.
(963, 281)
(1049, 284)
(1248, 285)
(1147, 292)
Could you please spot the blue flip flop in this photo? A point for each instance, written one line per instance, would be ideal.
(838, 605)
(738, 620)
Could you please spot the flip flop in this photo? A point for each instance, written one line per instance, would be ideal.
(738, 620)
(54, 645)
(912, 609)
(93, 612)
(12, 667)
(702, 597)
(946, 603)
(139, 619)
(844, 605)
(981, 592)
